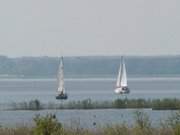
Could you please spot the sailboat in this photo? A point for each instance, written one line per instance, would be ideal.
(121, 84)
(60, 78)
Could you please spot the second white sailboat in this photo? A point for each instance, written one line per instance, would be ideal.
(121, 84)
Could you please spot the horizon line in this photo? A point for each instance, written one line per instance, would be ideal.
(129, 55)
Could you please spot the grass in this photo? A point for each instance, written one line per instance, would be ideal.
(154, 104)
(49, 125)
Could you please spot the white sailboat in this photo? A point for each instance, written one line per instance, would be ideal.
(60, 78)
(121, 84)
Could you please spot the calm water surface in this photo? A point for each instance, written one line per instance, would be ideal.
(16, 90)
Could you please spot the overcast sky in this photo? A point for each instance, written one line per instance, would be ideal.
(89, 27)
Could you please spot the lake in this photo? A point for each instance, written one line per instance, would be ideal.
(100, 89)
(17, 90)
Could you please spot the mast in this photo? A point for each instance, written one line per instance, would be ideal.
(118, 83)
(124, 75)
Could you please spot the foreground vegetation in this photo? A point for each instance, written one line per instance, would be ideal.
(49, 125)
(155, 104)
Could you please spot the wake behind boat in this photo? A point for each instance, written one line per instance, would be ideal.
(121, 84)
(60, 78)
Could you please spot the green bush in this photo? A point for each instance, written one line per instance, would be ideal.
(47, 125)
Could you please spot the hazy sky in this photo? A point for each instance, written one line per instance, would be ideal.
(89, 27)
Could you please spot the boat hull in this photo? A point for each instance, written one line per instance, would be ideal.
(62, 96)
(122, 90)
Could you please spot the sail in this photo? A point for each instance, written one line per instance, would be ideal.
(61, 77)
(118, 83)
(124, 76)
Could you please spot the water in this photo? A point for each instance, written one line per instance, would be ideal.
(18, 90)
(82, 118)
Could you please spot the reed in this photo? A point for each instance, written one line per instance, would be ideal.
(154, 104)
(31, 105)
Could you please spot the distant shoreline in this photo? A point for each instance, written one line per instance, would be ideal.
(139, 78)
(91, 77)
(92, 66)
